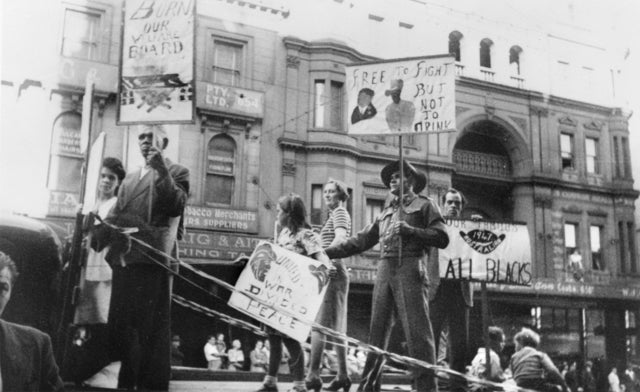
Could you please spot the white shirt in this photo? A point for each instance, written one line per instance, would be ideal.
(614, 382)
(211, 352)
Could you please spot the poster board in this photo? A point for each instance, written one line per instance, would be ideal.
(484, 251)
(156, 78)
(403, 96)
(284, 279)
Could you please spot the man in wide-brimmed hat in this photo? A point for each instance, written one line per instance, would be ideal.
(399, 293)
(399, 113)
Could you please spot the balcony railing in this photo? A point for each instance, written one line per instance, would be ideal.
(459, 69)
(517, 81)
(483, 164)
(487, 74)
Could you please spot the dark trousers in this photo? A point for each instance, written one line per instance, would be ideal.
(400, 294)
(140, 326)
(296, 358)
(449, 306)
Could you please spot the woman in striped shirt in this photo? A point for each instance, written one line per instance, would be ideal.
(333, 313)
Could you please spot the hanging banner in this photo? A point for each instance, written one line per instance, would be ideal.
(157, 62)
(404, 96)
(492, 252)
(286, 280)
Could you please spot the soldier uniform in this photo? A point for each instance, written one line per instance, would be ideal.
(400, 290)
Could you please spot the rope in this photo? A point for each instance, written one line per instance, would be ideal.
(439, 371)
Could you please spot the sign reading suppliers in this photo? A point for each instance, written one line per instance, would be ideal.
(157, 62)
(211, 218)
(404, 96)
(281, 279)
(492, 252)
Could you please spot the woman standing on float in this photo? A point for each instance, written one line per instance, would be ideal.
(295, 235)
(333, 312)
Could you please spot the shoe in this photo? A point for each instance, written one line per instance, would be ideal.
(268, 388)
(337, 384)
(314, 384)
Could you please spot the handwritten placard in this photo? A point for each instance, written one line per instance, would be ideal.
(156, 72)
(487, 251)
(405, 96)
(281, 279)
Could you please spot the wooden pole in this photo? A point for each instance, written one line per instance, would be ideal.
(485, 328)
(72, 279)
(153, 179)
(401, 197)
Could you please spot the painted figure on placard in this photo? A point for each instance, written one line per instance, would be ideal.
(365, 109)
(399, 113)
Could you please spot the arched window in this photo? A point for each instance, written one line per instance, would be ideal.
(454, 44)
(66, 159)
(485, 52)
(221, 170)
(514, 60)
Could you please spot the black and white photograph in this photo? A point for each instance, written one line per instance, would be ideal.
(320, 195)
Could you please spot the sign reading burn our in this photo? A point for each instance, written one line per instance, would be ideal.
(487, 251)
(404, 96)
(282, 279)
(156, 71)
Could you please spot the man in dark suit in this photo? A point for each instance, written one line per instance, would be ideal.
(151, 199)
(365, 109)
(450, 300)
(26, 356)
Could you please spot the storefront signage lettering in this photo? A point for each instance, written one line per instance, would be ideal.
(62, 203)
(362, 275)
(230, 99)
(210, 247)
(211, 218)
(552, 287)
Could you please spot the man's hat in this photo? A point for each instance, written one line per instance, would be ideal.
(176, 338)
(396, 85)
(420, 179)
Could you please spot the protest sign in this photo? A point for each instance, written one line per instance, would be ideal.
(405, 96)
(482, 251)
(157, 62)
(283, 279)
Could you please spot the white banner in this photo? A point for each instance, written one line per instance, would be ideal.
(96, 155)
(156, 70)
(493, 252)
(404, 96)
(283, 279)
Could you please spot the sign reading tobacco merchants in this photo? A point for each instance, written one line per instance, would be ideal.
(492, 252)
(282, 279)
(212, 218)
(404, 96)
(156, 69)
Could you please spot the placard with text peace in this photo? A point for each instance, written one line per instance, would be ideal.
(404, 96)
(483, 251)
(277, 279)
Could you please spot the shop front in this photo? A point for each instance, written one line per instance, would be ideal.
(576, 321)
